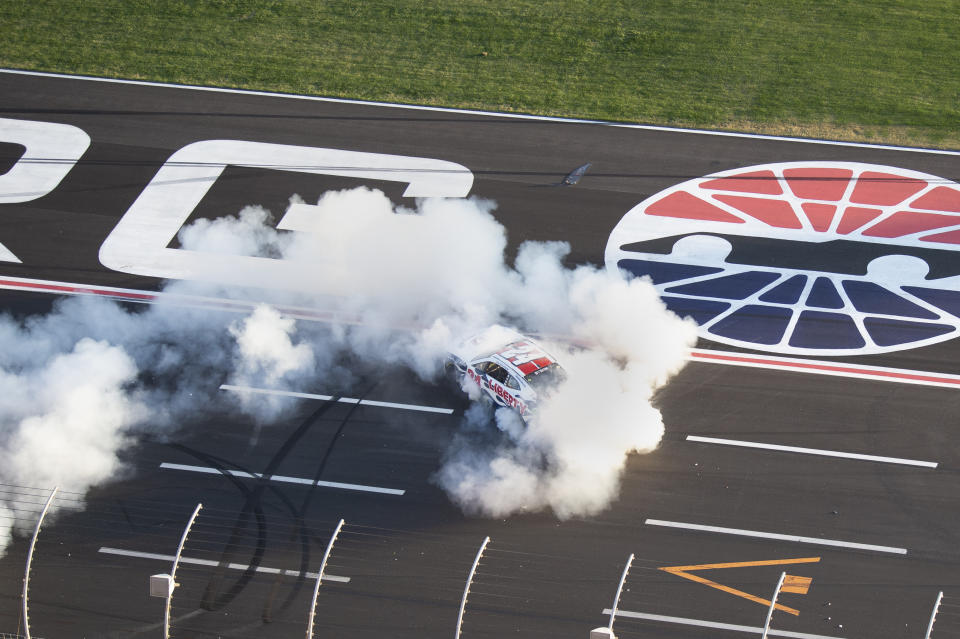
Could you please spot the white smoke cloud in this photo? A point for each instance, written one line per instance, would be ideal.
(81, 383)
(570, 456)
(86, 410)
(414, 283)
(267, 357)
(249, 233)
(409, 285)
(76, 424)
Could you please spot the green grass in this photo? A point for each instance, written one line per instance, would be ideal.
(873, 70)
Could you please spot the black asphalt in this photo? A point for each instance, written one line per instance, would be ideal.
(407, 556)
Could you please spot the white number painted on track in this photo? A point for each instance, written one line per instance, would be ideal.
(138, 244)
(51, 151)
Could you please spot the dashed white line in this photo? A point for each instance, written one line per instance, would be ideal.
(281, 478)
(208, 562)
(716, 625)
(271, 391)
(767, 535)
(811, 451)
(425, 409)
(344, 400)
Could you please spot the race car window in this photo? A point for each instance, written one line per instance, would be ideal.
(546, 377)
(481, 367)
(512, 382)
(497, 372)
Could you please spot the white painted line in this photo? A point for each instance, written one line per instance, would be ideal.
(270, 391)
(811, 451)
(425, 409)
(496, 114)
(138, 242)
(345, 400)
(766, 535)
(281, 478)
(207, 562)
(6, 255)
(716, 625)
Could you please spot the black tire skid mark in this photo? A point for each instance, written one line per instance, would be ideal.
(212, 599)
(301, 527)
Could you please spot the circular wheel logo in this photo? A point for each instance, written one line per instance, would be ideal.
(814, 258)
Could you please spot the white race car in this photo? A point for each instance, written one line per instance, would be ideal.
(510, 369)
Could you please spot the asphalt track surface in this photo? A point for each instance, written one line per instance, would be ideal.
(407, 555)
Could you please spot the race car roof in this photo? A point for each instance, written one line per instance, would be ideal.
(490, 341)
(524, 356)
(515, 352)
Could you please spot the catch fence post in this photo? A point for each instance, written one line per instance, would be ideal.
(466, 589)
(773, 604)
(316, 586)
(171, 578)
(616, 599)
(26, 572)
(933, 616)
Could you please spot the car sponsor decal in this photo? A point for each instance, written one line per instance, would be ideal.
(497, 389)
(503, 394)
(812, 258)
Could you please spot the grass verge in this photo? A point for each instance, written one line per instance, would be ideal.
(882, 71)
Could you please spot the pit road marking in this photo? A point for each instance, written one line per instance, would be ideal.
(798, 587)
(281, 478)
(810, 451)
(345, 400)
(778, 536)
(208, 562)
(716, 625)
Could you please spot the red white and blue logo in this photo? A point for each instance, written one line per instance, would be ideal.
(809, 258)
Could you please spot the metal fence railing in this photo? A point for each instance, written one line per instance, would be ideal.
(258, 568)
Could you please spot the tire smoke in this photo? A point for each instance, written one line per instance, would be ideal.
(408, 285)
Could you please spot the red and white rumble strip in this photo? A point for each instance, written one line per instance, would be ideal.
(820, 367)
(153, 297)
(796, 365)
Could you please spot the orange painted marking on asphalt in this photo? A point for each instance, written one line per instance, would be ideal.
(791, 583)
(797, 585)
(745, 564)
